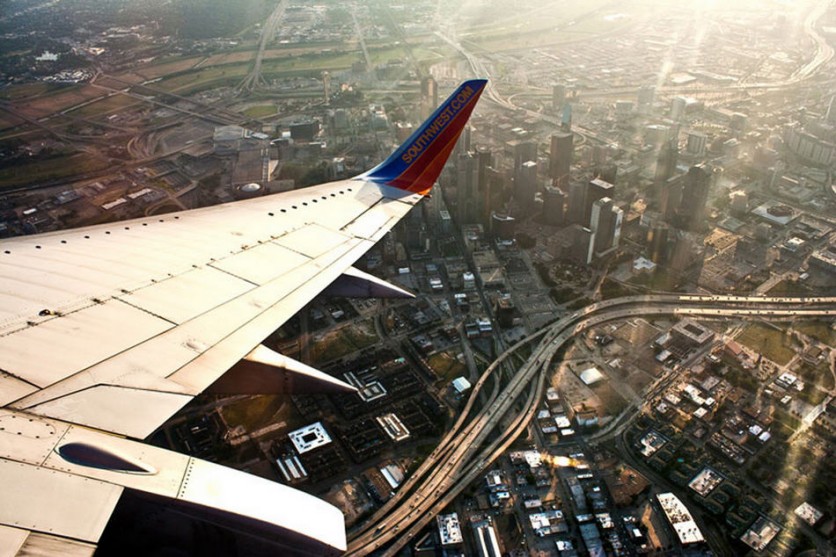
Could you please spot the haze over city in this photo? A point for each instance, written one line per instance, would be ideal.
(607, 330)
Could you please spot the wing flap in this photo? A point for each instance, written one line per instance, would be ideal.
(377, 221)
(11, 540)
(128, 411)
(190, 356)
(313, 240)
(43, 545)
(186, 296)
(12, 388)
(67, 344)
(55, 502)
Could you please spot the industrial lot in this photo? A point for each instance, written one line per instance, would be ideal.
(622, 338)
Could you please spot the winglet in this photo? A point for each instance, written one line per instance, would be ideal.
(416, 164)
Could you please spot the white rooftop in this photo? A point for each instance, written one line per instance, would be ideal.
(680, 518)
(808, 513)
(393, 426)
(309, 437)
(461, 384)
(449, 529)
(591, 375)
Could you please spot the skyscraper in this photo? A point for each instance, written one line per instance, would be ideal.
(583, 244)
(484, 159)
(525, 185)
(560, 156)
(463, 143)
(657, 243)
(553, 206)
(678, 105)
(429, 96)
(503, 226)
(326, 87)
(670, 196)
(695, 189)
(575, 203)
(605, 222)
(468, 198)
(521, 151)
(646, 97)
(595, 189)
(666, 162)
(558, 96)
(696, 144)
(566, 118)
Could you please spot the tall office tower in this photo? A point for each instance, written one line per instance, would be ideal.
(558, 96)
(657, 134)
(695, 189)
(666, 162)
(326, 87)
(575, 203)
(606, 223)
(494, 186)
(553, 211)
(525, 185)
(429, 96)
(468, 199)
(607, 172)
(595, 189)
(560, 155)
(619, 221)
(684, 255)
(678, 108)
(583, 244)
(463, 143)
(646, 97)
(467, 134)
(503, 226)
(670, 197)
(739, 122)
(484, 160)
(521, 151)
(739, 202)
(657, 243)
(695, 146)
(566, 118)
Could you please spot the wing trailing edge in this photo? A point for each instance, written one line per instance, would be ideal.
(264, 371)
(354, 283)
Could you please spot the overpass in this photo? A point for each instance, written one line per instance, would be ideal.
(484, 431)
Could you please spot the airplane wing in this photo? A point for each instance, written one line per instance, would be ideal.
(107, 331)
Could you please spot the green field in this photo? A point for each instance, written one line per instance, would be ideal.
(772, 343)
(819, 330)
(27, 90)
(337, 343)
(446, 366)
(50, 169)
(253, 413)
(260, 111)
(105, 106)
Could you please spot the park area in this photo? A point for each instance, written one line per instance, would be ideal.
(773, 343)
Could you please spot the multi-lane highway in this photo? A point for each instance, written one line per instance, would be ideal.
(492, 420)
(268, 32)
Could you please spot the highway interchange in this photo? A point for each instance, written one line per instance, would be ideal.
(487, 427)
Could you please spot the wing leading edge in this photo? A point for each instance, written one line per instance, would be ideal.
(116, 327)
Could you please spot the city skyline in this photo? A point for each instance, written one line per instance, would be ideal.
(619, 336)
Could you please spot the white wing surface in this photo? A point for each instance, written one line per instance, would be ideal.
(107, 331)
